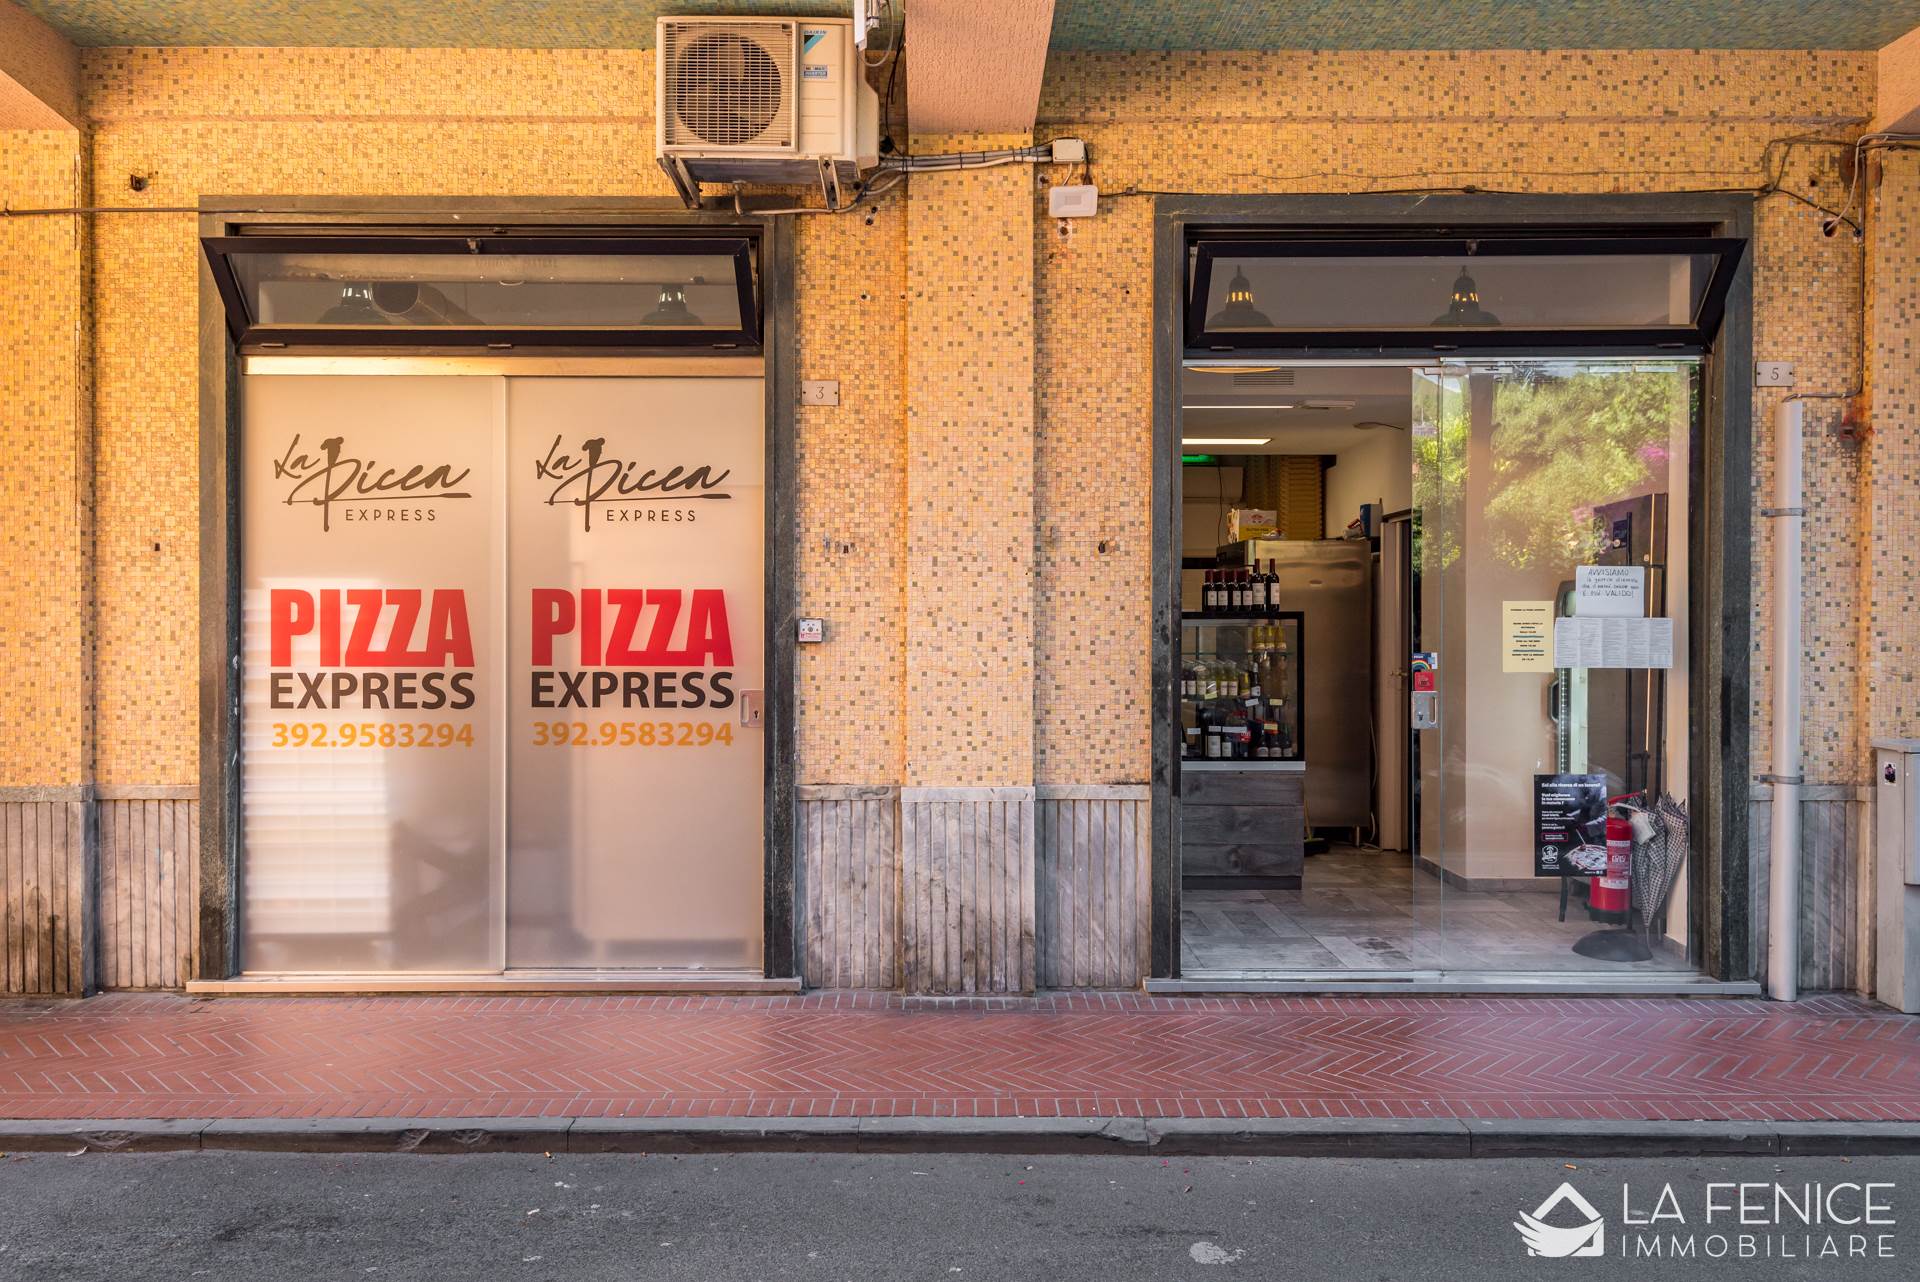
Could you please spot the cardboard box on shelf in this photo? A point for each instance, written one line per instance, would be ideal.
(1251, 523)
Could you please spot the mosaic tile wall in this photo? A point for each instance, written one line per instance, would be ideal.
(200, 122)
(1553, 122)
(484, 122)
(45, 637)
(1478, 24)
(1890, 628)
(1077, 24)
(1807, 308)
(390, 122)
(853, 469)
(970, 472)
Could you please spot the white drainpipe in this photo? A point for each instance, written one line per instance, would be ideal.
(1783, 903)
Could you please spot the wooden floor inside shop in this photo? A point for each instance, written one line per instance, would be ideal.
(1372, 910)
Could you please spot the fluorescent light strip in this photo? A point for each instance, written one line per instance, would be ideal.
(1288, 406)
(1225, 440)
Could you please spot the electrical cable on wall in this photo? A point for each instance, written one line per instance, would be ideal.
(1070, 150)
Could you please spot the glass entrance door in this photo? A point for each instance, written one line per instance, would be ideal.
(637, 635)
(1438, 459)
(1550, 617)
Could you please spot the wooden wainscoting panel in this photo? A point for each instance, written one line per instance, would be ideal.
(149, 873)
(967, 890)
(44, 900)
(847, 859)
(1093, 885)
(1836, 838)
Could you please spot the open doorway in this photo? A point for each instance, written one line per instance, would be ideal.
(1396, 757)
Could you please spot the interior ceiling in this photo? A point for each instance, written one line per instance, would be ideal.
(1220, 404)
(1077, 24)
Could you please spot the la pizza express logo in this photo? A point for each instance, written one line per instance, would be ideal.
(599, 483)
(347, 487)
(590, 478)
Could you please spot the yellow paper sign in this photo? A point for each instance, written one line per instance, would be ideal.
(1526, 636)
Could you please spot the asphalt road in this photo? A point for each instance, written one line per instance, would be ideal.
(714, 1219)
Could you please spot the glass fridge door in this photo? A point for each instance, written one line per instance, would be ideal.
(1240, 689)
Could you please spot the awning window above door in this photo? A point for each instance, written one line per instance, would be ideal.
(1664, 292)
(459, 289)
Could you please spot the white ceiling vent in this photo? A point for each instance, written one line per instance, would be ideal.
(729, 84)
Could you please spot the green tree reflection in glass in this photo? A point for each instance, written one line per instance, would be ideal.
(1566, 438)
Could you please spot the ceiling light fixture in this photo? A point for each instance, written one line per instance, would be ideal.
(1234, 369)
(1241, 406)
(1225, 440)
(1239, 313)
(672, 309)
(355, 306)
(1464, 307)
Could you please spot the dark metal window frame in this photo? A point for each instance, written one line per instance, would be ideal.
(1211, 247)
(1724, 941)
(220, 567)
(249, 333)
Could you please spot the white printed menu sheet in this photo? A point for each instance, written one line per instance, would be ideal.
(1587, 642)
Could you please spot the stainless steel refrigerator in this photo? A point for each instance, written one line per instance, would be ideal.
(1330, 581)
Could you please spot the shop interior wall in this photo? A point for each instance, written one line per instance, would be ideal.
(1376, 470)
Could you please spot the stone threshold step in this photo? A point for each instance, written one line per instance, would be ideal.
(1311, 1137)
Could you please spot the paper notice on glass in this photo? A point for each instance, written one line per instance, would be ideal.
(1613, 643)
(1526, 636)
(1610, 591)
(1567, 650)
(1623, 643)
(1579, 643)
(1659, 643)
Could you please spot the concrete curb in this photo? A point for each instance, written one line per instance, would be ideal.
(1118, 1136)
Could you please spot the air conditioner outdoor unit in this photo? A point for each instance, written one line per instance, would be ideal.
(763, 100)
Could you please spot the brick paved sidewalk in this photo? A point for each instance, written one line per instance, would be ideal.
(162, 1056)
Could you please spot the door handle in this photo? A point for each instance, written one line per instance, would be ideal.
(752, 708)
(1426, 709)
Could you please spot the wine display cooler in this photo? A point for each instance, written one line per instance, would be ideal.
(1240, 684)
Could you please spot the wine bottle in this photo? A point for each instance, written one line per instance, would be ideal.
(1272, 580)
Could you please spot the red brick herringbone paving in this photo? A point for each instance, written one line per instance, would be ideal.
(819, 1054)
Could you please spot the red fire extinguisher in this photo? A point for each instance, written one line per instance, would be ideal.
(1608, 897)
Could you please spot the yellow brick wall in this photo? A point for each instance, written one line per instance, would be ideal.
(398, 122)
(45, 487)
